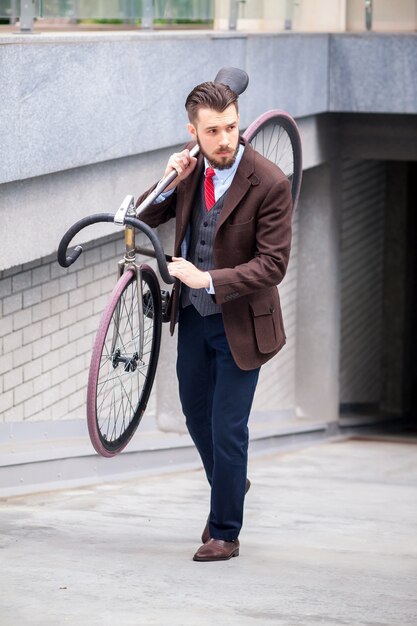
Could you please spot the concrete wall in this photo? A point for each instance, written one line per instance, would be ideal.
(128, 106)
(318, 312)
(87, 119)
(373, 74)
(130, 116)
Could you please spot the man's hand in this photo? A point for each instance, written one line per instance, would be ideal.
(188, 273)
(183, 164)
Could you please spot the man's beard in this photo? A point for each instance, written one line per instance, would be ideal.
(220, 164)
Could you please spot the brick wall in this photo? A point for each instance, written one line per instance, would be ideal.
(49, 317)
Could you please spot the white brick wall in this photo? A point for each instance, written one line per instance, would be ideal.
(49, 317)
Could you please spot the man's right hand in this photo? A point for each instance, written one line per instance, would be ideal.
(183, 164)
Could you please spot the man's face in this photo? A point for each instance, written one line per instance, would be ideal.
(217, 134)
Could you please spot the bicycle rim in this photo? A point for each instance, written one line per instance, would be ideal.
(123, 362)
(275, 135)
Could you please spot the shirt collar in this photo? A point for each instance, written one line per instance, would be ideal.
(222, 175)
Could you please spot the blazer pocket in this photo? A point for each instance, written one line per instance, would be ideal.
(244, 224)
(264, 324)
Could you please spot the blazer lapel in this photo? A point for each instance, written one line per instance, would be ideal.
(242, 181)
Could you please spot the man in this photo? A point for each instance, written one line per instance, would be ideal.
(232, 242)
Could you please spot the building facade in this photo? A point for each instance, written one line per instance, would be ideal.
(87, 118)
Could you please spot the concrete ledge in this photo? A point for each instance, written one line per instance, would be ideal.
(29, 465)
(373, 73)
(110, 94)
(110, 98)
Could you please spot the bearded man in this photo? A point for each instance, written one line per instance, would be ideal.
(232, 210)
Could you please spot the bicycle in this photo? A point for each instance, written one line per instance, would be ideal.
(126, 349)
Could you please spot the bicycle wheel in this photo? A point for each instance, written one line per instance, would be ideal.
(123, 362)
(275, 135)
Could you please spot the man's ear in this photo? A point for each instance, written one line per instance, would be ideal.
(192, 130)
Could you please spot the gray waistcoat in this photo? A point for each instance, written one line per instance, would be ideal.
(200, 252)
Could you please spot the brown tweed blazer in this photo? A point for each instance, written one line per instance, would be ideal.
(251, 252)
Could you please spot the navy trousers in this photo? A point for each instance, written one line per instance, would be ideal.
(216, 398)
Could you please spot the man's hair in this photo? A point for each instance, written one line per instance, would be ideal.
(209, 95)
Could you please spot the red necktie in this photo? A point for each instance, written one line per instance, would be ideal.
(209, 188)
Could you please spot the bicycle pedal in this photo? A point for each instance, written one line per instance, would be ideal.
(165, 299)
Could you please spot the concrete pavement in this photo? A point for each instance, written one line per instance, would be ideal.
(329, 538)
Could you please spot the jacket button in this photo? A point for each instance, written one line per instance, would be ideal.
(203, 243)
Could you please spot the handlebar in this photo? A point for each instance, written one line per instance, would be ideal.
(66, 259)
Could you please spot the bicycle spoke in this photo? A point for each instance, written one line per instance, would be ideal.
(274, 143)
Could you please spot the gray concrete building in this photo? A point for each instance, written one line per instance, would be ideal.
(86, 118)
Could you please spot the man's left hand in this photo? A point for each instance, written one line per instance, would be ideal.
(188, 273)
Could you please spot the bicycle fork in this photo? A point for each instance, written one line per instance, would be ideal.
(129, 262)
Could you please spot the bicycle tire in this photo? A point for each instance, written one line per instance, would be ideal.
(275, 135)
(119, 384)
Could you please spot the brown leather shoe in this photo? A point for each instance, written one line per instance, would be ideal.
(206, 533)
(217, 550)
